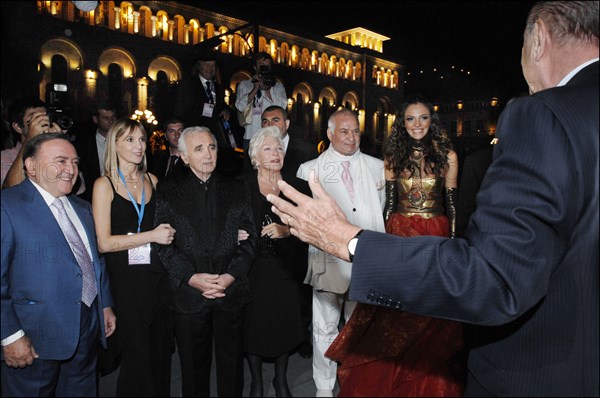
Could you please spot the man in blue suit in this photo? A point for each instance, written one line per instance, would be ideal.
(56, 300)
(526, 276)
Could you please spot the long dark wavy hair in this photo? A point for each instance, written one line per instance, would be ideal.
(399, 145)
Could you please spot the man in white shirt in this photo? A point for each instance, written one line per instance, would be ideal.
(91, 145)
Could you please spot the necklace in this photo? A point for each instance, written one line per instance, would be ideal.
(416, 156)
(134, 183)
(416, 195)
(269, 182)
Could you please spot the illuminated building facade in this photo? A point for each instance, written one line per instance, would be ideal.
(134, 53)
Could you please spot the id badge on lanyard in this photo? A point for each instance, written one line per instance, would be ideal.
(140, 254)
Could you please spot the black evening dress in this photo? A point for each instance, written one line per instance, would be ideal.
(143, 338)
(272, 321)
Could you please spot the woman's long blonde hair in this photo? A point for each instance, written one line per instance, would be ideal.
(121, 127)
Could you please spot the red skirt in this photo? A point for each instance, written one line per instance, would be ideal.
(386, 352)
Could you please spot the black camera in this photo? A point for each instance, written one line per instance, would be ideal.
(59, 116)
(267, 76)
(56, 98)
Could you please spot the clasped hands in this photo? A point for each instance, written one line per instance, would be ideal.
(212, 286)
(318, 221)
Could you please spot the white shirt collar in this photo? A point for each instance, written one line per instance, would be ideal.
(48, 197)
(203, 80)
(286, 142)
(566, 79)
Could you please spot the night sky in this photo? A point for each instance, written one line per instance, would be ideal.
(482, 37)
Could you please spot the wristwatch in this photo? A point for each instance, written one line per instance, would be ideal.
(352, 245)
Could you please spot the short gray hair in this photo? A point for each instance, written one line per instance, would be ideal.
(182, 145)
(333, 118)
(259, 138)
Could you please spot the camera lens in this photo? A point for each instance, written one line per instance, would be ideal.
(64, 122)
(58, 116)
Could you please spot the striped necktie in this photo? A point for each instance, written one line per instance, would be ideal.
(82, 256)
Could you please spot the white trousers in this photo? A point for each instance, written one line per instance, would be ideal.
(327, 310)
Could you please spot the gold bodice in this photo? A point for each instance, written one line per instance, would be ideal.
(420, 196)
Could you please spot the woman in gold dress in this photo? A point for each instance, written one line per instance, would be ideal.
(388, 352)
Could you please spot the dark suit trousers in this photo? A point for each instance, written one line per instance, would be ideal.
(195, 334)
(73, 377)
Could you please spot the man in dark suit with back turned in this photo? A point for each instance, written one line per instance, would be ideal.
(56, 301)
(207, 267)
(526, 276)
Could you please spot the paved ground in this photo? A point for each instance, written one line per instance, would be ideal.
(299, 379)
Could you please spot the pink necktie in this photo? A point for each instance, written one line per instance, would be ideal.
(347, 179)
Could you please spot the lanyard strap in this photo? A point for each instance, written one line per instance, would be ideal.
(138, 210)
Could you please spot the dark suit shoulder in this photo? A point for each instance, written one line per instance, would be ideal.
(582, 86)
(11, 195)
(176, 186)
(22, 191)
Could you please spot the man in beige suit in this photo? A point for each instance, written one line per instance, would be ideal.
(356, 181)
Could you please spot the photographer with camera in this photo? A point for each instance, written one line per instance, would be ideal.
(28, 118)
(260, 92)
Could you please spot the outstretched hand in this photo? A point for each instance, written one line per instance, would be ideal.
(318, 221)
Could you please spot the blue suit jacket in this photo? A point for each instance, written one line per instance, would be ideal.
(527, 275)
(41, 280)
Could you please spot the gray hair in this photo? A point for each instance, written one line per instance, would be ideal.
(569, 22)
(259, 138)
(182, 144)
(333, 118)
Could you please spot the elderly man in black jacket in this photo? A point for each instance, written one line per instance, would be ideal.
(207, 266)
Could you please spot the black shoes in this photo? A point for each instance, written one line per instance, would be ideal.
(305, 349)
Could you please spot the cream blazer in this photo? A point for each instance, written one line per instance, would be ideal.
(326, 272)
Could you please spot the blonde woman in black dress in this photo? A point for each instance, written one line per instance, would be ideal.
(123, 205)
